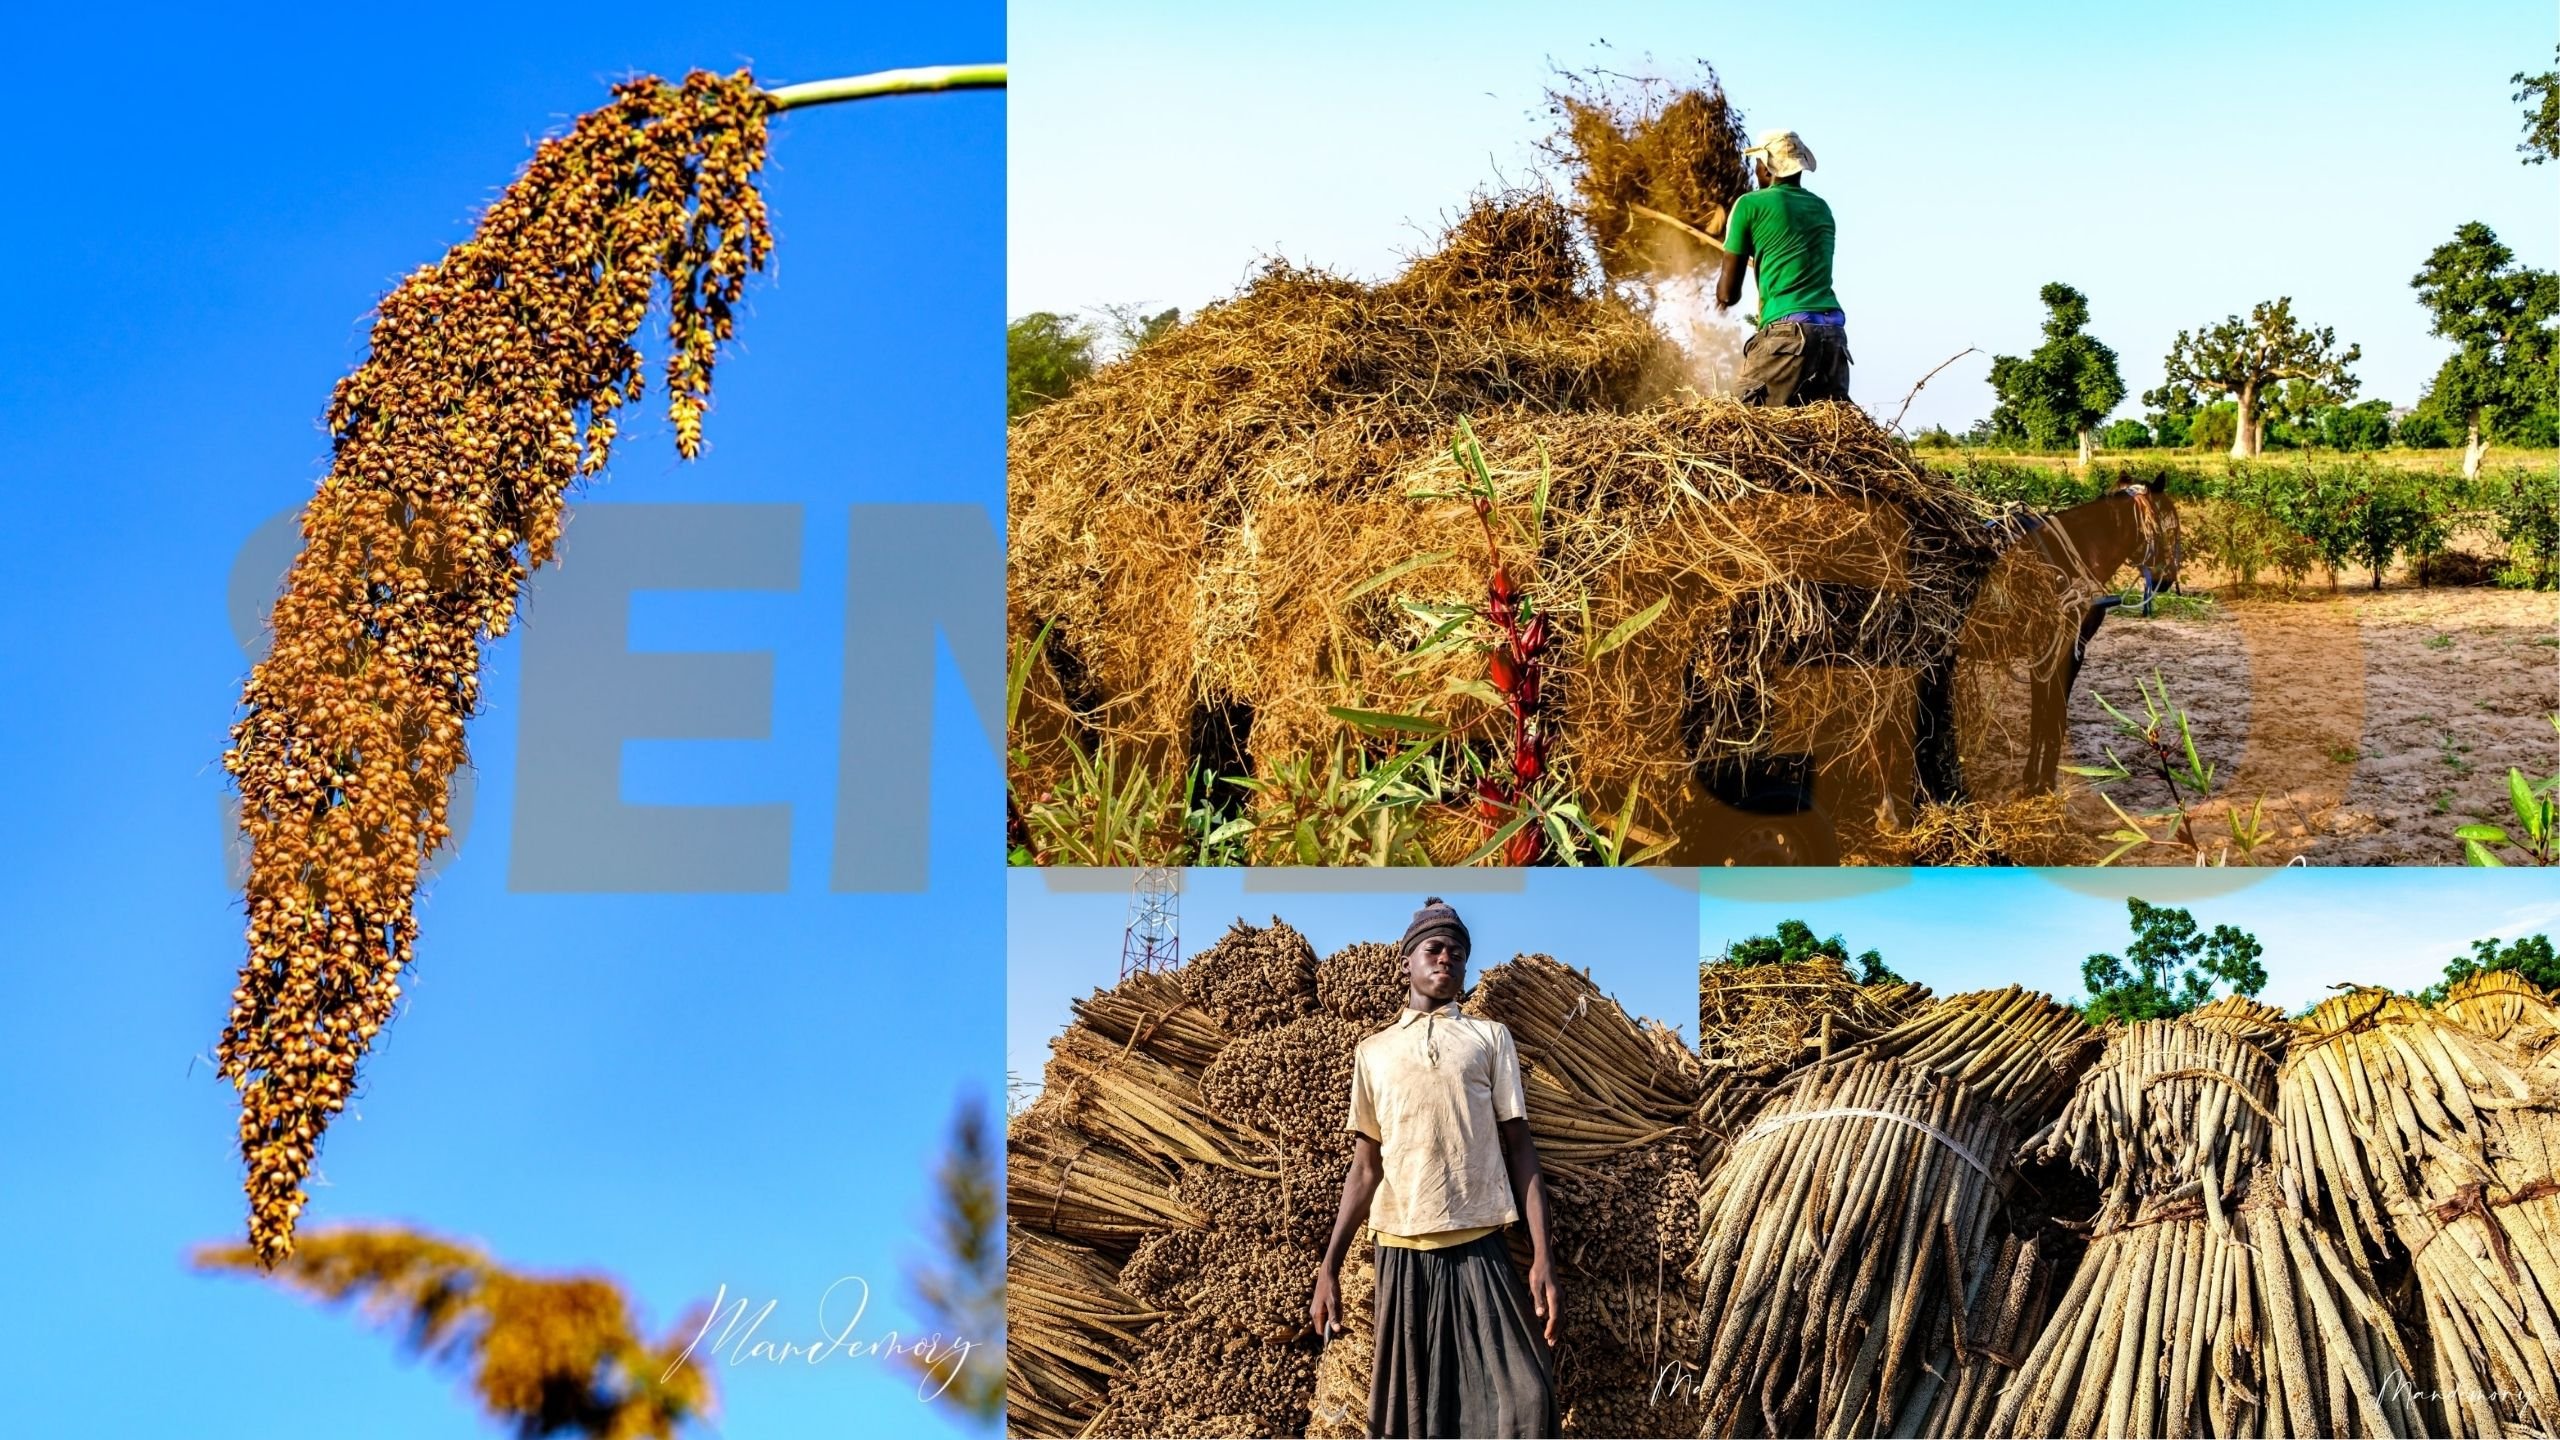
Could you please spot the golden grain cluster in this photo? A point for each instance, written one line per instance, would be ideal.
(495, 380)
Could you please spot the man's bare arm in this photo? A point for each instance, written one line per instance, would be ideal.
(1359, 1187)
(1729, 281)
(1529, 1188)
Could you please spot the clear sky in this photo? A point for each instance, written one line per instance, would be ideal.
(1957, 930)
(683, 1091)
(1635, 932)
(2177, 162)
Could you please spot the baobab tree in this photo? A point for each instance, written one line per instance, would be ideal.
(2242, 358)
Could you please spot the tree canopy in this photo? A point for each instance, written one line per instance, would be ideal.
(2542, 119)
(2499, 316)
(2243, 358)
(2531, 957)
(1045, 356)
(1795, 943)
(2170, 968)
(2066, 386)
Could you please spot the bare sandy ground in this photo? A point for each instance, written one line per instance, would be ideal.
(2372, 724)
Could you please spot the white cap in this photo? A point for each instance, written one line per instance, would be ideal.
(1784, 150)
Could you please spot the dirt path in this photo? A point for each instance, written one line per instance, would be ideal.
(2373, 724)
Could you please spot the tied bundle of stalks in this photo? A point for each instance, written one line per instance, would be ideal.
(2504, 1006)
(1283, 1081)
(1764, 1019)
(494, 381)
(2175, 1324)
(2169, 1107)
(1843, 1234)
(1068, 1328)
(1231, 1355)
(2420, 1136)
(2203, 1305)
(1151, 1011)
(1127, 1096)
(1060, 1181)
(2017, 1048)
(2255, 1021)
(1567, 1026)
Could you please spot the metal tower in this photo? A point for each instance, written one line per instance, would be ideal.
(1153, 940)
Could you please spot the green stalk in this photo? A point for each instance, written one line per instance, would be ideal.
(921, 80)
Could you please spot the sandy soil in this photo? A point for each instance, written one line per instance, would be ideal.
(2372, 724)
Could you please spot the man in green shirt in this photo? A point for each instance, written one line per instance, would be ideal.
(1800, 352)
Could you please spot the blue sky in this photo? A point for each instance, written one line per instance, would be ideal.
(1958, 930)
(2177, 162)
(1636, 932)
(684, 1091)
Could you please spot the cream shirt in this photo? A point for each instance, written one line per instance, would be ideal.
(1430, 1090)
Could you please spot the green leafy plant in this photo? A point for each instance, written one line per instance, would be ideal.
(2535, 805)
(2165, 749)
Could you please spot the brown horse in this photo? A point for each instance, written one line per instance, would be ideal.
(2084, 546)
(2088, 544)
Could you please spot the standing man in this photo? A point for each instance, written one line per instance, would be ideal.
(1800, 353)
(1441, 1161)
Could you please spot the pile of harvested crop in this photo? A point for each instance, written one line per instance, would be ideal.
(1255, 522)
(2504, 1006)
(2413, 1135)
(2204, 1305)
(495, 381)
(1765, 1019)
(1853, 1232)
(1190, 1146)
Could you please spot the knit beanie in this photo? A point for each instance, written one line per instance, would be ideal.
(1435, 918)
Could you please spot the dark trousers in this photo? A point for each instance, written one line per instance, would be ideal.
(1787, 362)
(1460, 1351)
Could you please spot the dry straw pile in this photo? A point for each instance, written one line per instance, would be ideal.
(1172, 1188)
(1202, 528)
(1854, 1211)
(494, 382)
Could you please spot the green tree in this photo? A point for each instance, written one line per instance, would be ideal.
(2531, 957)
(2170, 968)
(2423, 429)
(2062, 390)
(1046, 355)
(2499, 316)
(2541, 120)
(1795, 943)
(2243, 358)
(2354, 427)
(2213, 426)
(2126, 435)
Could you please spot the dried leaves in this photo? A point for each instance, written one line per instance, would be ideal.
(495, 381)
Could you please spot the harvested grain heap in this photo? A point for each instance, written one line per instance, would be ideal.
(1202, 528)
(494, 381)
(1172, 1188)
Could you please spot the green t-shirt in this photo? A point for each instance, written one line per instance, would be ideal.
(1788, 229)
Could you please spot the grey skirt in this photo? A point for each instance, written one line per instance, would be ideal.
(1459, 1348)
